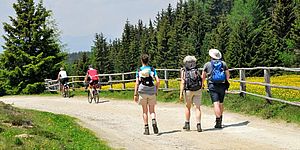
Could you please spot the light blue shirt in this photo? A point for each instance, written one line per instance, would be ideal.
(145, 71)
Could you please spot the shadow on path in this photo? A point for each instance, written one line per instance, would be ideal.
(168, 132)
(244, 123)
(105, 101)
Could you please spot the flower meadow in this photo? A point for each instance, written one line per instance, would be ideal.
(284, 80)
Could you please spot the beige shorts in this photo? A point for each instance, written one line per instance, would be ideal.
(193, 97)
(145, 99)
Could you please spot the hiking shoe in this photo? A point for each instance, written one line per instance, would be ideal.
(199, 129)
(155, 129)
(146, 130)
(186, 126)
(221, 118)
(218, 123)
(154, 125)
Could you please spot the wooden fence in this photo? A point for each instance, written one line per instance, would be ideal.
(52, 85)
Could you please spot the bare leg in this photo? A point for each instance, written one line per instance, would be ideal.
(187, 112)
(198, 114)
(153, 116)
(152, 111)
(217, 109)
(221, 108)
(145, 113)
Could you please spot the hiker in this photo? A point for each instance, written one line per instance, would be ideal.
(190, 89)
(145, 92)
(217, 74)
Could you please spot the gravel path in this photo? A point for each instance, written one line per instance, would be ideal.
(120, 124)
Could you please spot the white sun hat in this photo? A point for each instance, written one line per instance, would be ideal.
(215, 54)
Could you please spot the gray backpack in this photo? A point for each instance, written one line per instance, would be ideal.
(193, 81)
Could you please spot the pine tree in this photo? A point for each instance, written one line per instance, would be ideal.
(83, 64)
(218, 38)
(244, 20)
(293, 42)
(283, 17)
(153, 52)
(100, 53)
(32, 51)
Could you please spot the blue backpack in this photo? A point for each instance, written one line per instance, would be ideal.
(218, 74)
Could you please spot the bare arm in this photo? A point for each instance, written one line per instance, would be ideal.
(227, 75)
(58, 76)
(203, 78)
(136, 86)
(86, 76)
(181, 85)
(135, 97)
(157, 84)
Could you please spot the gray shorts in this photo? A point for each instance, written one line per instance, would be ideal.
(217, 92)
(193, 97)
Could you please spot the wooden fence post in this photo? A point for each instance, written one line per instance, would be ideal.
(166, 80)
(268, 81)
(242, 84)
(110, 83)
(73, 86)
(123, 84)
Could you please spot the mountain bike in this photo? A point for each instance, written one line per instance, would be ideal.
(93, 93)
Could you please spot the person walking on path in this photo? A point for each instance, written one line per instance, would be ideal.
(190, 89)
(218, 75)
(145, 92)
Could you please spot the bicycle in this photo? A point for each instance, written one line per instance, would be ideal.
(93, 93)
(66, 90)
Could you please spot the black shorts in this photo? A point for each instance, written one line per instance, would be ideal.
(217, 92)
(93, 82)
(64, 81)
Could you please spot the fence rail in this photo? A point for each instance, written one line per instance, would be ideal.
(52, 85)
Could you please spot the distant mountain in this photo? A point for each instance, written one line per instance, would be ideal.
(72, 57)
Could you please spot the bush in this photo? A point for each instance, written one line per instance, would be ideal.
(35, 88)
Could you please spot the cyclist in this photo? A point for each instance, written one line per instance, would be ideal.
(91, 76)
(62, 77)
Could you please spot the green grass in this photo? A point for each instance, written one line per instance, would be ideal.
(250, 105)
(48, 131)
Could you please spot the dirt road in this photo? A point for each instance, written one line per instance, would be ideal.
(120, 123)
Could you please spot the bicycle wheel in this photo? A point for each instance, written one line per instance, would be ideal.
(67, 92)
(90, 98)
(96, 97)
(64, 93)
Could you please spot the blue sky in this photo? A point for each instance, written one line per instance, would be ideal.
(79, 20)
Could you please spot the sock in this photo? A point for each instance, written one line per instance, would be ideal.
(153, 121)
(152, 115)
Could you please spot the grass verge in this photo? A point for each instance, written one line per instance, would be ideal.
(28, 129)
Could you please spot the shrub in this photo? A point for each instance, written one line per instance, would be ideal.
(35, 88)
